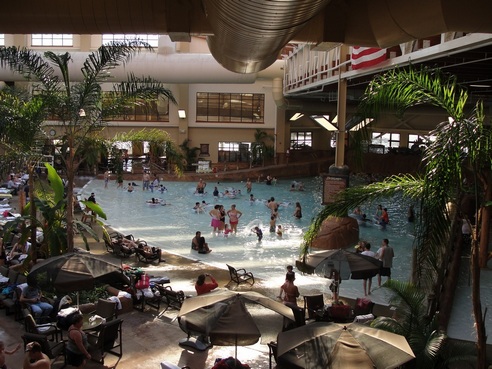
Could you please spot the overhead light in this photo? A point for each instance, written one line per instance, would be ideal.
(296, 116)
(181, 113)
(82, 113)
(481, 86)
(323, 121)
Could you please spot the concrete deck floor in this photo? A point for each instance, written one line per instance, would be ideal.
(150, 338)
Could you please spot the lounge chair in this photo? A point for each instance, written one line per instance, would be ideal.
(239, 276)
(114, 244)
(148, 257)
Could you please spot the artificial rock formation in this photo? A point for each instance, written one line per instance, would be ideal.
(337, 233)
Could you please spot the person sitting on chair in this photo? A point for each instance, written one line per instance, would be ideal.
(31, 295)
(201, 287)
(151, 252)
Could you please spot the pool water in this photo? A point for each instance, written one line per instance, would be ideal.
(172, 227)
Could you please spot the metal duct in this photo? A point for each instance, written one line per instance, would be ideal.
(168, 68)
(249, 35)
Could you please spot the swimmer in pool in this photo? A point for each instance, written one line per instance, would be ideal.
(198, 208)
(280, 231)
(130, 187)
(258, 232)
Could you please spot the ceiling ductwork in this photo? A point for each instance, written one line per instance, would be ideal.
(249, 35)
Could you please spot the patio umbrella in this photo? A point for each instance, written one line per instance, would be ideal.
(73, 272)
(347, 264)
(233, 318)
(324, 345)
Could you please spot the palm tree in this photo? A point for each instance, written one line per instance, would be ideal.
(259, 149)
(21, 118)
(81, 109)
(456, 163)
(428, 343)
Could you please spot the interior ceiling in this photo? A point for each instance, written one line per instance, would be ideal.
(247, 36)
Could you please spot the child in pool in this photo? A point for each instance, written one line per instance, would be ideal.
(258, 233)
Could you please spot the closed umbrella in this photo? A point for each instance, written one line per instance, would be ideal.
(340, 263)
(323, 345)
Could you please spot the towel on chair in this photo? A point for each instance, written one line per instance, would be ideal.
(117, 300)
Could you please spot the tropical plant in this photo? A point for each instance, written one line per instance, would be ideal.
(21, 136)
(412, 321)
(190, 153)
(458, 162)
(160, 143)
(81, 109)
(259, 148)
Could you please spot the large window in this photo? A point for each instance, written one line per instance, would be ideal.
(234, 152)
(301, 140)
(389, 140)
(152, 40)
(51, 39)
(230, 107)
(155, 111)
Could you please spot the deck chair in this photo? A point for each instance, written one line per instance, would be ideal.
(114, 245)
(106, 309)
(47, 329)
(148, 257)
(312, 304)
(52, 349)
(107, 340)
(239, 276)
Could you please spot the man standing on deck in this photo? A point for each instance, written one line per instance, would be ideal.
(386, 255)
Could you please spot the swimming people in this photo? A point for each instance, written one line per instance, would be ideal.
(200, 187)
(272, 223)
(280, 231)
(249, 185)
(198, 208)
(258, 232)
(130, 187)
(215, 214)
(298, 211)
(203, 246)
(234, 216)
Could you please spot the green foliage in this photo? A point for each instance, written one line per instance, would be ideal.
(430, 346)
(91, 296)
(190, 153)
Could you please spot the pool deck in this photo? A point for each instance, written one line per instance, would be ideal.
(150, 338)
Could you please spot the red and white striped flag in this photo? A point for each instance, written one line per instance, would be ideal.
(364, 57)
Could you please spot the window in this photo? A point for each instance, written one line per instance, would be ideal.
(301, 140)
(234, 152)
(204, 149)
(51, 39)
(2, 39)
(152, 40)
(386, 139)
(419, 140)
(153, 111)
(230, 107)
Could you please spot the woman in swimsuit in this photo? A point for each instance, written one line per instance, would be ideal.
(298, 211)
(234, 216)
(215, 214)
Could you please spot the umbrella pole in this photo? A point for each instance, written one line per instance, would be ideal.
(235, 362)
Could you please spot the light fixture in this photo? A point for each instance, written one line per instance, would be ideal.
(181, 113)
(82, 113)
(296, 116)
(323, 121)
